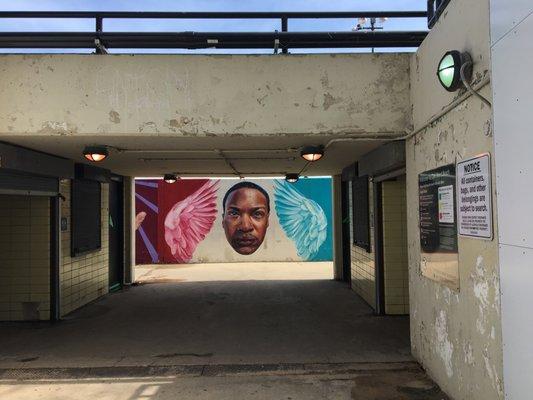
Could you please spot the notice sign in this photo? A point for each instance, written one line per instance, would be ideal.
(446, 209)
(438, 228)
(438, 225)
(474, 197)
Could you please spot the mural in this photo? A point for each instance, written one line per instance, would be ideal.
(212, 220)
(302, 219)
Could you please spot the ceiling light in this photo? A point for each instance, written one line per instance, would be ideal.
(170, 178)
(292, 178)
(312, 153)
(95, 153)
(449, 69)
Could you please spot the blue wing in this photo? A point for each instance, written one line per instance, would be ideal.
(302, 219)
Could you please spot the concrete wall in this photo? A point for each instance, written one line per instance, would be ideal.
(203, 95)
(512, 63)
(24, 258)
(395, 264)
(455, 335)
(83, 278)
(362, 261)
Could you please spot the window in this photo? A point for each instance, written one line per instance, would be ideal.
(360, 213)
(86, 216)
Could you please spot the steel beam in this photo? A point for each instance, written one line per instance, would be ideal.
(212, 15)
(202, 40)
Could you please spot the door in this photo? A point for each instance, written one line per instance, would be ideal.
(116, 235)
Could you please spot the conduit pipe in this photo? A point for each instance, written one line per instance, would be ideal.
(476, 87)
(472, 90)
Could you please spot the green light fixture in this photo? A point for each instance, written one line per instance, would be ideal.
(449, 70)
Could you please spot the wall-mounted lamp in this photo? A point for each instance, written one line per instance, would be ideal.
(170, 178)
(292, 178)
(95, 153)
(312, 153)
(449, 70)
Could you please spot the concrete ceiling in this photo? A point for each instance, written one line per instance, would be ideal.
(198, 156)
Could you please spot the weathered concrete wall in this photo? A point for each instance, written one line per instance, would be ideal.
(203, 95)
(455, 335)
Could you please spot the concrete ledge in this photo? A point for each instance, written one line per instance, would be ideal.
(202, 370)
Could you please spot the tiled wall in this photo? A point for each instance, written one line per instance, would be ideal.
(83, 278)
(363, 266)
(24, 258)
(395, 247)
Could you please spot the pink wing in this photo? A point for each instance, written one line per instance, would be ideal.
(190, 220)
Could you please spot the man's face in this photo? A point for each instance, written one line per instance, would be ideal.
(245, 220)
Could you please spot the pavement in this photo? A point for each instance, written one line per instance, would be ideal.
(212, 272)
(407, 382)
(239, 331)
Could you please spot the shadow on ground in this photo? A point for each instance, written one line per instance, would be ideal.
(244, 322)
(293, 339)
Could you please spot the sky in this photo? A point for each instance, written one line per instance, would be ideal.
(206, 25)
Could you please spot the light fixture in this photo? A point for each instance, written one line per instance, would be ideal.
(312, 153)
(292, 178)
(95, 153)
(449, 70)
(170, 178)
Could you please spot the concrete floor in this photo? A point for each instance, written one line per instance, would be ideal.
(268, 334)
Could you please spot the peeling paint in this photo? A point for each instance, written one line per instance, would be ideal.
(57, 128)
(114, 116)
(444, 347)
(329, 101)
(149, 126)
(469, 354)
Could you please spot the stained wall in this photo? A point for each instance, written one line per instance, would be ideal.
(197, 95)
(456, 335)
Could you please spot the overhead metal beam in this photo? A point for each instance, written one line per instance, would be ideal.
(203, 40)
(213, 15)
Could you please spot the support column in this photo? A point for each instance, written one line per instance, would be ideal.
(337, 228)
(129, 229)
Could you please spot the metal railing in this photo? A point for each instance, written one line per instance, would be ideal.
(435, 9)
(283, 40)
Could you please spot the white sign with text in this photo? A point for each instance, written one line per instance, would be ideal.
(474, 197)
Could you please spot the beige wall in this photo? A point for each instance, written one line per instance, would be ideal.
(363, 264)
(455, 335)
(395, 264)
(24, 258)
(196, 95)
(83, 278)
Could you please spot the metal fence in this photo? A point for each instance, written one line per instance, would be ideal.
(284, 39)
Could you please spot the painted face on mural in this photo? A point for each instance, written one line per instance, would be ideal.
(245, 218)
